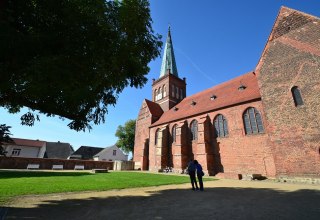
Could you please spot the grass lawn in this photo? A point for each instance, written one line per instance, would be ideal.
(17, 183)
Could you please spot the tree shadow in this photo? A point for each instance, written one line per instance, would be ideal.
(213, 203)
(26, 174)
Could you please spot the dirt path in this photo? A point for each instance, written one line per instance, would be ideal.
(222, 199)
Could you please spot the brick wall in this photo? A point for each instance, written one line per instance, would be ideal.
(236, 154)
(22, 163)
(292, 58)
(142, 138)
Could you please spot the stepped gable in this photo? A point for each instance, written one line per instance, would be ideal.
(238, 90)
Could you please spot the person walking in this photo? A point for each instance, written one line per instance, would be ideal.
(192, 174)
(200, 173)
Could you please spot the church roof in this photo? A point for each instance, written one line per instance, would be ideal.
(154, 108)
(168, 60)
(238, 90)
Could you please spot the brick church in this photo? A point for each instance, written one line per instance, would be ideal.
(265, 122)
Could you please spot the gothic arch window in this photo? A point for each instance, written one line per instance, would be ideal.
(194, 130)
(221, 126)
(296, 94)
(155, 95)
(172, 90)
(252, 121)
(174, 133)
(160, 93)
(156, 136)
(177, 92)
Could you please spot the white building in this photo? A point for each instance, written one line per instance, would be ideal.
(111, 153)
(25, 148)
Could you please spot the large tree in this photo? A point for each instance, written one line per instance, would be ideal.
(126, 135)
(4, 137)
(72, 58)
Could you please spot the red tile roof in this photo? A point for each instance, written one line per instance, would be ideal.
(154, 108)
(227, 94)
(26, 142)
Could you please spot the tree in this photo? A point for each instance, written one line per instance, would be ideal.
(4, 138)
(126, 136)
(73, 58)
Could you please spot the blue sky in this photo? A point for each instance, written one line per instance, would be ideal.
(214, 41)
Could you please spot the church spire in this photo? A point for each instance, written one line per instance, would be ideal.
(168, 61)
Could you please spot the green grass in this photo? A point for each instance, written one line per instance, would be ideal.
(17, 183)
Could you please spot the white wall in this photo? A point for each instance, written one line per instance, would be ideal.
(26, 151)
(107, 155)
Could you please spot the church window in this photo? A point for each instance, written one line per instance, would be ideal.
(252, 121)
(155, 95)
(174, 133)
(172, 89)
(181, 94)
(164, 91)
(221, 126)
(296, 94)
(157, 134)
(194, 130)
(177, 92)
(160, 93)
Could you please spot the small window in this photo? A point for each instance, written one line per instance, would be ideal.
(155, 95)
(221, 126)
(181, 94)
(296, 94)
(213, 97)
(172, 90)
(252, 121)
(16, 152)
(114, 152)
(177, 92)
(174, 133)
(242, 87)
(164, 91)
(194, 130)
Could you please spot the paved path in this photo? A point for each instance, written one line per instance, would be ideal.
(222, 199)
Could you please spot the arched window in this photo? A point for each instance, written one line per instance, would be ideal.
(174, 133)
(172, 90)
(164, 91)
(252, 121)
(221, 126)
(181, 94)
(156, 136)
(296, 94)
(177, 92)
(155, 95)
(194, 130)
(160, 93)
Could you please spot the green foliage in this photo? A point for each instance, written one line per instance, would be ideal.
(4, 137)
(126, 135)
(30, 183)
(72, 58)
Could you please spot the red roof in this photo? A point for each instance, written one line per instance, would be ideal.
(154, 108)
(227, 94)
(26, 142)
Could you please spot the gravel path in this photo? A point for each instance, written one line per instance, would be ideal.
(222, 199)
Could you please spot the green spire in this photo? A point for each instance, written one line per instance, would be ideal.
(168, 60)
